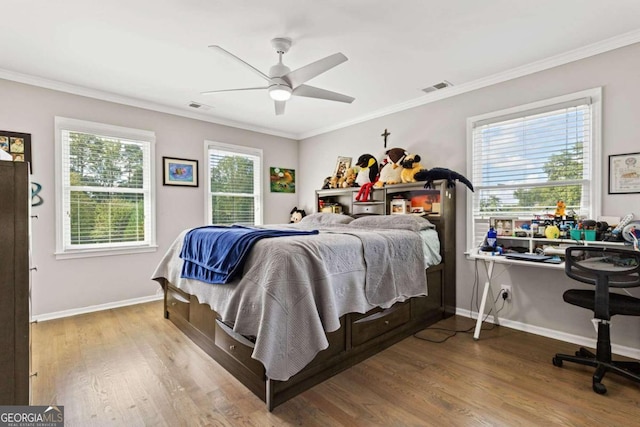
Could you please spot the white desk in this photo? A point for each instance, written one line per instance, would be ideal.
(489, 262)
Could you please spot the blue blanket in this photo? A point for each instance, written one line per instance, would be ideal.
(216, 254)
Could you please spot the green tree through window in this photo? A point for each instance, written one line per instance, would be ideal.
(234, 186)
(106, 197)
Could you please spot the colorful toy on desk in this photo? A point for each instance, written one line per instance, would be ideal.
(560, 208)
(552, 232)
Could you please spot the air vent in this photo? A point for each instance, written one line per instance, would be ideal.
(437, 86)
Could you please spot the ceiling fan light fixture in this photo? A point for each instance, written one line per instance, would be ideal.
(280, 92)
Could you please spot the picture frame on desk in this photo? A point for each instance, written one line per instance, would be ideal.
(624, 173)
(504, 226)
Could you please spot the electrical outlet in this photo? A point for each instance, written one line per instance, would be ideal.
(507, 289)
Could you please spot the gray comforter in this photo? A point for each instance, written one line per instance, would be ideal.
(295, 289)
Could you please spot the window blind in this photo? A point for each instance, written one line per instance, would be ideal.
(106, 191)
(524, 162)
(235, 187)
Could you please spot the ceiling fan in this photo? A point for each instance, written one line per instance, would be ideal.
(282, 83)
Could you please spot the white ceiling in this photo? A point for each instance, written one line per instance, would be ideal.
(153, 53)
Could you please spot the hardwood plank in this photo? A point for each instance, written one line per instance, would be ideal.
(130, 366)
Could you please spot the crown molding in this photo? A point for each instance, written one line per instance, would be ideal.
(534, 67)
(132, 102)
(531, 68)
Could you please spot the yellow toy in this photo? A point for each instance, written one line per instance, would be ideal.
(560, 208)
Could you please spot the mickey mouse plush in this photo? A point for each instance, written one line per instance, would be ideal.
(297, 215)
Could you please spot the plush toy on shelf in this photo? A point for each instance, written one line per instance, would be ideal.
(434, 174)
(410, 166)
(391, 172)
(368, 172)
(348, 179)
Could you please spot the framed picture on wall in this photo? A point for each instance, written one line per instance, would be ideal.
(624, 173)
(282, 180)
(17, 145)
(179, 172)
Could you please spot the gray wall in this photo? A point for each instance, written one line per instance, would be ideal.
(72, 284)
(437, 131)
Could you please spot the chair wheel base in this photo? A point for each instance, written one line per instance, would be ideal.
(557, 362)
(599, 388)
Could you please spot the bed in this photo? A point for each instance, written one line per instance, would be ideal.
(308, 306)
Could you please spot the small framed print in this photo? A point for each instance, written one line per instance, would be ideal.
(17, 145)
(503, 226)
(624, 173)
(342, 164)
(179, 172)
(400, 207)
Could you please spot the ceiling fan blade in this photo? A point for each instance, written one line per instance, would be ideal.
(303, 74)
(209, 92)
(316, 92)
(280, 107)
(235, 58)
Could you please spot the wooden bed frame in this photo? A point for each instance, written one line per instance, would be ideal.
(359, 337)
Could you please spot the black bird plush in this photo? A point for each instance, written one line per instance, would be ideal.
(435, 174)
(368, 169)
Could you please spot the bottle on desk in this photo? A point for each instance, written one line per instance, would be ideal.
(492, 236)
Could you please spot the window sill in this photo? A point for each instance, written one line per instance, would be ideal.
(89, 253)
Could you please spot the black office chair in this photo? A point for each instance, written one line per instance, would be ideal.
(604, 268)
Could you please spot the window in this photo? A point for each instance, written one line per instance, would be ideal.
(525, 159)
(104, 189)
(234, 184)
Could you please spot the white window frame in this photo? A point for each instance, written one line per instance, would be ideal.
(595, 166)
(257, 178)
(64, 250)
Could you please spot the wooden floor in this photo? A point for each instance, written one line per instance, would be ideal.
(130, 367)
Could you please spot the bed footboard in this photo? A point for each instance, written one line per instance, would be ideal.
(359, 337)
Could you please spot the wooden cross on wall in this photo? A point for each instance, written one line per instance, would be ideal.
(385, 134)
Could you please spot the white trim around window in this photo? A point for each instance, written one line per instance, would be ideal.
(213, 151)
(518, 149)
(134, 193)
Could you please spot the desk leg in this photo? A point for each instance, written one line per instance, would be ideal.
(487, 292)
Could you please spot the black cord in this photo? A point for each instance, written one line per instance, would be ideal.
(454, 332)
(474, 293)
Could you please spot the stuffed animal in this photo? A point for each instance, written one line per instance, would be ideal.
(410, 166)
(391, 172)
(327, 183)
(349, 179)
(364, 194)
(434, 174)
(560, 208)
(297, 215)
(368, 169)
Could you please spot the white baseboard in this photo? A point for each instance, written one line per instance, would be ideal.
(633, 353)
(92, 308)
